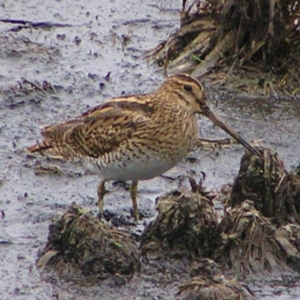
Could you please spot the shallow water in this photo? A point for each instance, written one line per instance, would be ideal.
(74, 59)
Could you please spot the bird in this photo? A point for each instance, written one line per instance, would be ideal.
(136, 137)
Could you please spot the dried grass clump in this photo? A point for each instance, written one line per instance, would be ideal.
(274, 191)
(207, 282)
(252, 244)
(185, 226)
(226, 39)
(82, 248)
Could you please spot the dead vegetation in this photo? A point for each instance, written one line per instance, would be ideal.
(274, 191)
(257, 42)
(260, 229)
(258, 232)
(207, 282)
(84, 249)
(27, 92)
(253, 244)
(185, 225)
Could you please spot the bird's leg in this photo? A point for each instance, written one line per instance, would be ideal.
(101, 191)
(133, 194)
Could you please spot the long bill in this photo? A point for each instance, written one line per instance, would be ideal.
(217, 121)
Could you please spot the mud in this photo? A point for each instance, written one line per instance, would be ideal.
(49, 73)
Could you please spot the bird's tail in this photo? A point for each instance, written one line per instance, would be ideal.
(40, 147)
(53, 142)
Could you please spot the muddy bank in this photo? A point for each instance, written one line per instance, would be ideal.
(74, 61)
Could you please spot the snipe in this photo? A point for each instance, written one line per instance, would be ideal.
(135, 137)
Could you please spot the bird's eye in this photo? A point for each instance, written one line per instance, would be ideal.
(188, 88)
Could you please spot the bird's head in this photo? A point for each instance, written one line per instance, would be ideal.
(190, 94)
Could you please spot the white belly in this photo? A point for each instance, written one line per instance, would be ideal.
(138, 169)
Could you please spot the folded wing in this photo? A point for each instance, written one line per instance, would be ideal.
(98, 131)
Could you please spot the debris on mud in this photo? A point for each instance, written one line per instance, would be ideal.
(185, 225)
(226, 39)
(260, 229)
(248, 239)
(207, 282)
(29, 86)
(25, 24)
(288, 237)
(27, 92)
(82, 248)
(274, 191)
(23, 47)
(41, 169)
(251, 243)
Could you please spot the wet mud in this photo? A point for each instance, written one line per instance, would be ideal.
(58, 69)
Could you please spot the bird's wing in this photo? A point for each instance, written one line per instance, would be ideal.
(97, 131)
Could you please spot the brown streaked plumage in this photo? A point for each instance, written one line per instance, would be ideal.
(136, 137)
